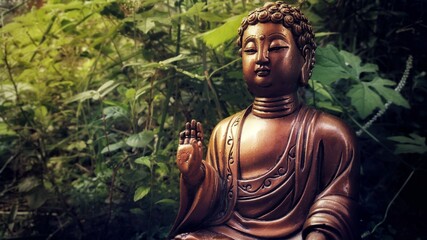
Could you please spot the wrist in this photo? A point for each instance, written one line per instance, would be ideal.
(196, 177)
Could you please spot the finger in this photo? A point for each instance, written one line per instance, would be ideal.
(181, 137)
(200, 145)
(193, 133)
(200, 134)
(188, 128)
(187, 133)
(187, 136)
(193, 129)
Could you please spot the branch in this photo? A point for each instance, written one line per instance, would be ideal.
(367, 233)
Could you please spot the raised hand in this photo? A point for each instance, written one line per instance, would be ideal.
(190, 152)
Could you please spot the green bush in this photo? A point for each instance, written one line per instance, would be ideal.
(94, 94)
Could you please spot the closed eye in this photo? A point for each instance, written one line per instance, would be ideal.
(277, 48)
(249, 51)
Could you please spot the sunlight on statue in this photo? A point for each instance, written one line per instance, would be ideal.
(279, 169)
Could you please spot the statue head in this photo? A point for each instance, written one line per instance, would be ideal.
(293, 20)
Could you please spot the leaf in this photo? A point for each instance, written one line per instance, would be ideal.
(356, 66)
(199, 9)
(173, 59)
(140, 139)
(364, 99)
(166, 201)
(412, 144)
(78, 145)
(107, 88)
(113, 147)
(366, 96)
(81, 96)
(328, 106)
(323, 34)
(319, 88)
(115, 112)
(223, 33)
(146, 25)
(28, 183)
(145, 160)
(389, 94)
(141, 192)
(130, 94)
(37, 197)
(40, 113)
(196, 9)
(330, 66)
(5, 130)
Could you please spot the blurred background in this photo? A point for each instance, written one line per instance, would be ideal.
(94, 93)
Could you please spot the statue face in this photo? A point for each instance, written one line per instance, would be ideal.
(271, 60)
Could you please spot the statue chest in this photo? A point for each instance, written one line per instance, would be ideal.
(263, 142)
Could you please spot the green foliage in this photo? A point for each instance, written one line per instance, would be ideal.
(94, 94)
(343, 72)
(412, 144)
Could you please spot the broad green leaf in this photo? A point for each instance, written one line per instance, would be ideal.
(145, 160)
(140, 139)
(366, 96)
(330, 66)
(146, 25)
(223, 33)
(319, 88)
(113, 147)
(380, 85)
(364, 99)
(356, 64)
(141, 192)
(115, 112)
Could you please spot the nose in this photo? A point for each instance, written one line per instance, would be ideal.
(262, 56)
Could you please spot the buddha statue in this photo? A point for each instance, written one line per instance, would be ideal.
(278, 169)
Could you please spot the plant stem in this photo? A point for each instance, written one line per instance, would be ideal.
(367, 233)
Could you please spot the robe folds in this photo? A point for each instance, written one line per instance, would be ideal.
(312, 187)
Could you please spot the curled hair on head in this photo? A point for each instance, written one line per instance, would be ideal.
(291, 18)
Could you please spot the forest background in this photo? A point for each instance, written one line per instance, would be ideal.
(94, 93)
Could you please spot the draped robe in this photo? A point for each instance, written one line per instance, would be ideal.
(313, 185)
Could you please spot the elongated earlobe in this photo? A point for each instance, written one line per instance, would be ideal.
(305, 70)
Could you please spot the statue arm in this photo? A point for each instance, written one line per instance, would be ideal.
(334, 212)
(198, 195)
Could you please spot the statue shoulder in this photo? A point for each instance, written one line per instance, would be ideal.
(334, 128)
(222, 127)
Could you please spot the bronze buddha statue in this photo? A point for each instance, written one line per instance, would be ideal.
(278, 169)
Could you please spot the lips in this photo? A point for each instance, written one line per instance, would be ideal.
(262, 71)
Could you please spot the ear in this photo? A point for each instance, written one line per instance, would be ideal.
(305, 70)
